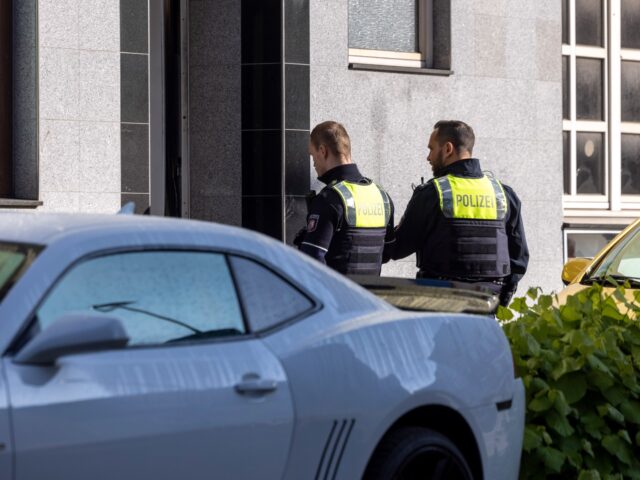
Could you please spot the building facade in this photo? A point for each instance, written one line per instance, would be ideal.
(202, 108)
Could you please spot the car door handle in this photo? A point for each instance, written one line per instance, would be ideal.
(256, 386)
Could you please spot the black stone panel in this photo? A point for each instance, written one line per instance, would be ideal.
(297, 96)
(296, 18)
(295, 216)
(134, 26)
(141, 201)
(135, 157)
(261, 27)
(262, 162)
(263, 214)
(134, 88)
(261, 97)
(297, 165)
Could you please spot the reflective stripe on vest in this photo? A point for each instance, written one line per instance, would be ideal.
(366, 206)
(471, 198)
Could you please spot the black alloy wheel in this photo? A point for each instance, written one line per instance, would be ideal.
(416, 453)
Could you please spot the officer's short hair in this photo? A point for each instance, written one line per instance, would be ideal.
(332, 135)
(458, 133)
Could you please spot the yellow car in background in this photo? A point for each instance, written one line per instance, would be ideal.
(618, 261)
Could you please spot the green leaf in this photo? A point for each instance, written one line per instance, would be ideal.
(533, 347)
(616, 395)
(631, 411)
(573, 386)
(597, 364)
(545, 301)
(616, 446)
(553, 459)
(532, 439)
(638, 439)
(567, 365)
(560, 403)
(589, 475)
(586, 446)
(569, 313)
(540, 404)
(593, 424)
(504, 313)
(532, 293)
(623, 434)
(519, 305)
(559, 423)
(610, 411)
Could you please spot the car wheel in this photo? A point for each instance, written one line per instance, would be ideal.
(413, 453)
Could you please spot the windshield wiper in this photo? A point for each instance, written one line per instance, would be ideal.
(613, 280)
(126, 305)
(224, 332)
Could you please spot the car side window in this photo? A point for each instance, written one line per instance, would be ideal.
(267, 298)
(160, 296)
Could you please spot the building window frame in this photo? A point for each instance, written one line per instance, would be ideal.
(611, 126)
(423, 58)
(588, 229)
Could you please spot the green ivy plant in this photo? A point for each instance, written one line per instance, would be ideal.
(580, 364)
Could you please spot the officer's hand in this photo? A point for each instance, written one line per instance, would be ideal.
(505, 297)
(297, 240)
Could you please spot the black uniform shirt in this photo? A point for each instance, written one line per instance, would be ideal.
(326, 212)
(420, 217)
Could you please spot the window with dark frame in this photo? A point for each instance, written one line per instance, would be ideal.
(400, 34)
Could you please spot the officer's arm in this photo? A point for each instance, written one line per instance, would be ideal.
(321, 225)
(390, 236)
(417, 220)
(518, 250)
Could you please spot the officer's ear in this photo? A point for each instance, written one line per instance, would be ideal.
(449, 149)
(324, 151)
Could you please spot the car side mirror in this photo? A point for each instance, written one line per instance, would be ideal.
(73, 333)
(573, 268)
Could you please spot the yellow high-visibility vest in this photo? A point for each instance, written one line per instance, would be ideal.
(471, 198)
(365, 206)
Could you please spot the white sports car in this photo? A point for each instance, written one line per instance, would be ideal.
(148, 348)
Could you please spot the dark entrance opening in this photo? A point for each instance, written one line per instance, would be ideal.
(173, 107)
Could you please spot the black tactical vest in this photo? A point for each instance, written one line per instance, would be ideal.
(357, 250)
(460, 248)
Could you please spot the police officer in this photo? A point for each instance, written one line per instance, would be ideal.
(348, 220)
(463, 225)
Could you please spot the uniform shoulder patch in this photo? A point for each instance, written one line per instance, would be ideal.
(312, 222)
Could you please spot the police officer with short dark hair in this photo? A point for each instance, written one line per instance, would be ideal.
(349, 219)
(463, 224)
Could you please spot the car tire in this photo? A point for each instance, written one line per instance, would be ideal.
(410, 453)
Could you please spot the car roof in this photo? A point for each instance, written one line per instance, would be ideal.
(45, 228)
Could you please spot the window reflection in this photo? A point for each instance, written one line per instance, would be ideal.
(589, 163)
(586, 245)
(565, 21)
(630, 24)
(383, 25)
(566, 92)
(630, 89)
(589, 22)
(566, 161)
(589, 87)
(630, 178)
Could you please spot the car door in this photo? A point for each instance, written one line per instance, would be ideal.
(192, 396)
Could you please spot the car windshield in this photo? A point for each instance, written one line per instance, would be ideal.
(622, 262)
(14, 260)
